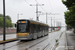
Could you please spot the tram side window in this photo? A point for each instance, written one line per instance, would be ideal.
(37, 28)
(33, 28)
(46, 29)
(27, 29)
(40, 28)
(43, 29)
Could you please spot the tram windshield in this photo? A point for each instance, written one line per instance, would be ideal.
(22, 28)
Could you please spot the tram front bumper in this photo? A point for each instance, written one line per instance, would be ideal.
(24, 38)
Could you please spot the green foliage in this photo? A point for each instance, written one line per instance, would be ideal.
(70, 18)
(1, 21)
(56, 40)
(69, 3)
(70, 15)
(8, 17)
(7, 20)
(8, 23)
(1, 15)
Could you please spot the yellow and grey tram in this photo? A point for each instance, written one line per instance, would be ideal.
(29, 29)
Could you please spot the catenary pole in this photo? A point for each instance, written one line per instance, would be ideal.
(46, 17)
(37, 12)
(51, 24)
(37, 18)
(4, 38)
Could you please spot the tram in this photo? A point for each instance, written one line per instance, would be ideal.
(29, 29)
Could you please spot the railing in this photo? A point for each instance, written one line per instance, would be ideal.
(8, 30)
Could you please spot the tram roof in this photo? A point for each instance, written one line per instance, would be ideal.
(34, 21)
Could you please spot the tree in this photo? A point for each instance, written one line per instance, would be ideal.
(1, 22)
(70, 15)
(8, 17)
(70, 18)
(69, 3)
(1, 15)
(8, 21)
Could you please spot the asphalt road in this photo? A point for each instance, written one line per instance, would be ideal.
(44, 43)
(70, 40)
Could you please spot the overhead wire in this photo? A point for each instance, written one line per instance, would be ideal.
(37, 2)
(28, 3)
(40, 6)
(50, 5)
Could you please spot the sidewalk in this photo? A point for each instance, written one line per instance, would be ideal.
(62, 42)
(70, 40)
(67, 41)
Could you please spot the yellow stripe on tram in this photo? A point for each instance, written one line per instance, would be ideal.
(22, 34)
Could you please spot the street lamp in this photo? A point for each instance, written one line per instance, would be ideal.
(18, 16)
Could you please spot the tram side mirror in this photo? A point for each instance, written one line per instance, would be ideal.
(15, 25)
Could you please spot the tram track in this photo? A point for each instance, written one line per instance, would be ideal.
(25, 43)
(12, 46)
(31, 42)
(51, 48)
(37, 43)
(45, 47)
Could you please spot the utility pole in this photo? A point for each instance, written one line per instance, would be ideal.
(46, 17)
(54, 23)
(37, 12)
(4, 38)
(47, 14)
(18, 16)
(37, 18)
(51, 24)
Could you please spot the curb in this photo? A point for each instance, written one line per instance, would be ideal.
(7, 41)
(8, 33)
(53, 31)
(57, 43)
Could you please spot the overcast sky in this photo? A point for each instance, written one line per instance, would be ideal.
(14, 7)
